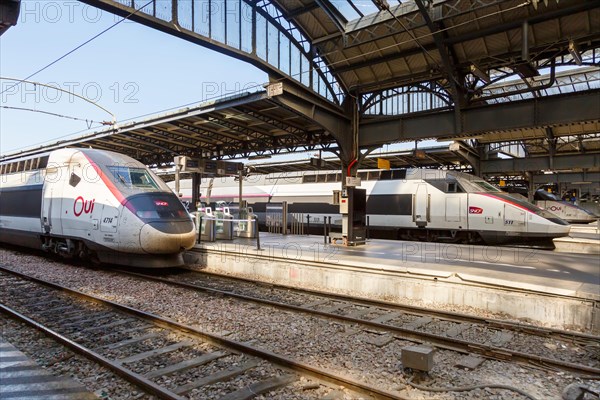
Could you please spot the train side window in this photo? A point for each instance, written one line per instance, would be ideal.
(309, 178)
(43, 162)
(321, 178)
(374, 175)
(385, 175)
(452, 187)
(74, 179)
(363, 176)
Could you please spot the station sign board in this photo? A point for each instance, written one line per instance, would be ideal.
(209, 167)
(352, 181)
(383, 163)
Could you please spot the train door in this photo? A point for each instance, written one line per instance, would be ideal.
(79, 201)
(453, 209)
(514, 218)
(421, 204)
(52, 197)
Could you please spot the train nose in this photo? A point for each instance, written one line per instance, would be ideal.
(167, 237)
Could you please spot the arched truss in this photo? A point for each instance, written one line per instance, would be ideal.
(505, 85)
(255, 31)
(564, 75)
(407, 99)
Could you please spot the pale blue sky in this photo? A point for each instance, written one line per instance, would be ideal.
(131, 70)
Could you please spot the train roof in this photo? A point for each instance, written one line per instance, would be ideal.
(40, 161)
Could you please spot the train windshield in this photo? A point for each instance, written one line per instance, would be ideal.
(133, 177)
(486, 186)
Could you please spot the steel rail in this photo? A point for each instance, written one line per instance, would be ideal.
(145, 384)
(455, 344)
(447, 315)
(270, 356)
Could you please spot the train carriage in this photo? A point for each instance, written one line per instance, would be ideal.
(414, 204)
(93, 203)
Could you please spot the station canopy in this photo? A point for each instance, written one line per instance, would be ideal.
(485, 72)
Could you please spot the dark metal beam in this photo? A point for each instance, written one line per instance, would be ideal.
(542, 112)
(448, 62)
(383, 59)
(173, 27)
(562, 162)
(331, 119)
(9, 14)
(334, 15)
(548, 16)
(290, 15)
(567, 177)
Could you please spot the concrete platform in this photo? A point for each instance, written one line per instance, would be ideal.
(551, 289)
(577, 245)
(21, 378)
(583, 238)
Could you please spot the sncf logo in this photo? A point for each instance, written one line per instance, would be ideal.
(475, 210)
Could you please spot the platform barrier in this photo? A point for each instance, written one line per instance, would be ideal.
(245, 228)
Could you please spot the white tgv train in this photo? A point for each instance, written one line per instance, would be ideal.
(93, 203)
(563, 209)
(414, 204)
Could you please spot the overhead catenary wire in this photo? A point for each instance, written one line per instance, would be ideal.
(89, 122)
(78, 47)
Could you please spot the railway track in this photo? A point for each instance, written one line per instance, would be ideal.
(495, 339)
(164, 358)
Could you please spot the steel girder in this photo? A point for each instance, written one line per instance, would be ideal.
(542, 163)
(210, 28)
(477, 121)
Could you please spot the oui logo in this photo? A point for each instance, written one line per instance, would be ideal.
(82, 206)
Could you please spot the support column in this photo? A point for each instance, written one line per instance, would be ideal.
(196, 180)
(349, 161)
(241, 187)
(531, 186)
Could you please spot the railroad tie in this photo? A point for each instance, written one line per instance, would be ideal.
(111, 325)
(187, 364)
(335, 307)
(217, 377)
(155, 352)
(359, 313)
(128, 342)
(261, 387)
(456, 330)
(382, 319)
(127, 331)
(417, 323)
(500, 339)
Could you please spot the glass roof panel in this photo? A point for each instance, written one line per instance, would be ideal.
(352, 9)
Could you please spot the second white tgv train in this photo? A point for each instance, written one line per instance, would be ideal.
(415, 204)
(93, 203)
(563, 209)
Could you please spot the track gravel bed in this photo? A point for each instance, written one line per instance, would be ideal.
(60, 361)
(336, 346)
(560, 346)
